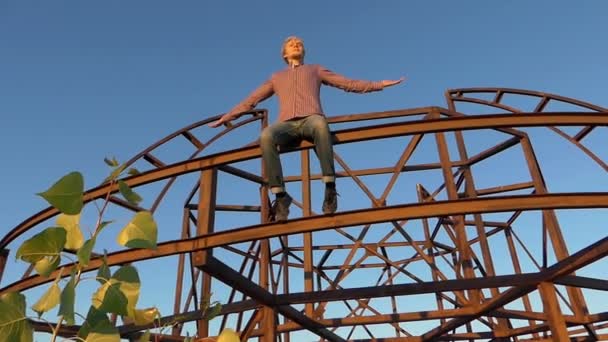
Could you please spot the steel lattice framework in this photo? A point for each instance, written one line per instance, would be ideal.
(427, 246)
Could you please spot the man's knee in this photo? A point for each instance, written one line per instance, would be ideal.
(318, 123)
(266, 138)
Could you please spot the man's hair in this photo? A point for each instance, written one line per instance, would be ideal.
(287, 40)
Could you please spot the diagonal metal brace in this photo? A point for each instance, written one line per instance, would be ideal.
(227, 275)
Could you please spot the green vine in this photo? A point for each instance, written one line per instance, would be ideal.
(118, 292)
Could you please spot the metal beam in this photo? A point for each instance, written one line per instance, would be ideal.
(568, 265)
(407, 289)
(340, 137)
(554, 314)
(3, 257)
(343, 219)
(586, 282)
(234, 279)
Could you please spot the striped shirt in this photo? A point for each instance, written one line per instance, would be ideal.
(298, 90)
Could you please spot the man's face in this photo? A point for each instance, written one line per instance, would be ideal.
(294, 49)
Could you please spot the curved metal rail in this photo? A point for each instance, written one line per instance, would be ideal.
(453, 96)
(353, 275)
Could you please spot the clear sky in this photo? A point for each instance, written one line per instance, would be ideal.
(83, 80)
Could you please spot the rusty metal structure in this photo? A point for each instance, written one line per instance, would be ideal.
(447, 229)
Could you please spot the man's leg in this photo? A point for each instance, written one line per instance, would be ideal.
(316, 128)
(272, 136)
(280, 133)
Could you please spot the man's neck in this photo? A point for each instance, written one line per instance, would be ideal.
(294, 62)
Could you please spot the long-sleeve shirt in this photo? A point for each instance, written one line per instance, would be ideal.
(298, 90)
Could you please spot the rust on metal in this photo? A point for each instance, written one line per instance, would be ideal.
(428, 245)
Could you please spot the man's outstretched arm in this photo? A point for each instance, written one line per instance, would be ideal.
(356, 86)
(260, 94)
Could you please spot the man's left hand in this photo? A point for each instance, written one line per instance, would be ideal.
(390, 83)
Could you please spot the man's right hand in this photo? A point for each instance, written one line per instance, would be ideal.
(217, 123)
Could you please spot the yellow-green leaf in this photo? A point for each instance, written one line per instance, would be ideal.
(66, 194)
(228, 335)
(129, 285)
(145, 316)
(99, 295)
(103, 332)
(115, 173)
(109, 336)
(47, 265)
(49, 242)
(49, 299)
(128, 193)
(145, 337)
(15, 300)
(131, 291)
(71, 223)
(68, 296)
(141, 232)
(13, 323)
(109, 298)
(133, 171)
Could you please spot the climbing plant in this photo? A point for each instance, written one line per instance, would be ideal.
(118, 291)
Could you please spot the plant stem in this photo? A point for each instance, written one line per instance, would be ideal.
(56, 330)
(106, 201)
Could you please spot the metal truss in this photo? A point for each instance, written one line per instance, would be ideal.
(437, 258)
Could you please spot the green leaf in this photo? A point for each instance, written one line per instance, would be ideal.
(111, 162)
(94, 317)
(103, 274)
(133, 171)
(145, 337)
(130, 195)
(66, 195)
(141, 232)
(68, 296)
(115, 173)
(71, 223)
(129, 285)
(103, 332)
(84, 253)
(101, 226)
(109, 298)
(47, 265)
(49, 300)
(49, 242)
(126, 274)
(13, 323)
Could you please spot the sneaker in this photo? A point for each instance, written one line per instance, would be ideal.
(280, 208)
(330, 203)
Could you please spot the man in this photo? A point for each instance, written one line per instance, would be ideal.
(300, 117)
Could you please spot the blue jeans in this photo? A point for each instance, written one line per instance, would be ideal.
(287, 133)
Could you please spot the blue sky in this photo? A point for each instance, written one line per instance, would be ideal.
(83, 80)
